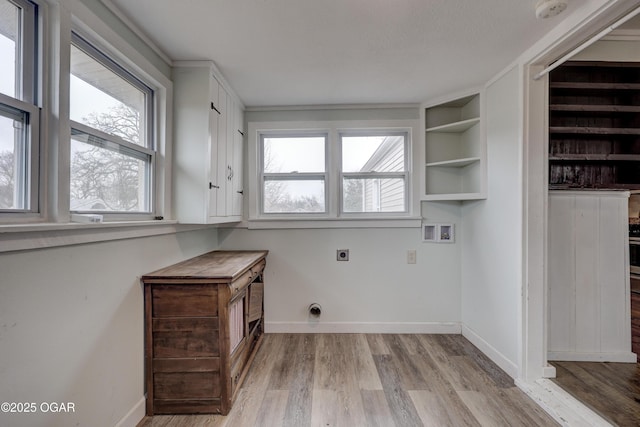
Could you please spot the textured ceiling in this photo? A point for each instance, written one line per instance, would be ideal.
(319, 52)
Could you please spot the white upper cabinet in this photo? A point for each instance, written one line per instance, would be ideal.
(207, 176)
(455, 155)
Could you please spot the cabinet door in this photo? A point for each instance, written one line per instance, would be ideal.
(238, 169)
(214, 180)
(231, 131)
(223, 170)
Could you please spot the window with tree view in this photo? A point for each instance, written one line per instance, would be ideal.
(112, 149)
(374, 172)
(19, 115)
(293, 173)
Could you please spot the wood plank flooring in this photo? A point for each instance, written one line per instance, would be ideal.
(356, 380)
(610, 389)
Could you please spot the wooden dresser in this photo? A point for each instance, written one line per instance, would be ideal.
(203, 324)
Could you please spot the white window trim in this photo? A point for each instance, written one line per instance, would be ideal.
(297, 175)
(333, 219)
(26, 101)
(115, 64)
(55, 24)
(406, 174)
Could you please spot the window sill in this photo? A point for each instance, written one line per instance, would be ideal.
(19, 237)
(403, 222)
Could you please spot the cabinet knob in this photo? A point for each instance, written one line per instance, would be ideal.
(213, 186)
(240, 192)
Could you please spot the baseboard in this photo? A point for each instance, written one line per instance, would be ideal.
(363, 327)
(548, 371)
(491, 352)
(563, 407)
(134, 416)
(574, 356)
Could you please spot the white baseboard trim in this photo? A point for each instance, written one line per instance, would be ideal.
(549, 371)
(363, 327)
(562, 406)
(134, 416)
(491, 352)
(574, 356)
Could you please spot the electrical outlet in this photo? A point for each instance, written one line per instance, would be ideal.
(343, 255)
(411, 256)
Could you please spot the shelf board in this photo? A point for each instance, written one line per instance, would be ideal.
(611, 186)
(596, 108)
(455, 127)
(453, 196)
(586, 130)
(595, 157)
(599, 86)
(456, 163)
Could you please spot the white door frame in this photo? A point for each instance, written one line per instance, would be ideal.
(533, 358)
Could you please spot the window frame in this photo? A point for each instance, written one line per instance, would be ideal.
(334, 218)
(120, 69)
(28, 55)
(293, 176)
(405, 174)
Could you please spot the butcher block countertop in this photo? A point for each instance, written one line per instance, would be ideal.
(224, 266)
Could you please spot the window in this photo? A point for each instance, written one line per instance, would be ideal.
(19, 113)
(334, 173)
(112, 148)
(374, 172)
(293, 173)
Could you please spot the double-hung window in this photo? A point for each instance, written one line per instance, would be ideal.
(112, 144)
(374, 172)
(19, 112)
(293, 177)
(337, 173)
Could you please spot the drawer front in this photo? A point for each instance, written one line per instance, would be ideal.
(205, 364)
(186, 385)
(186, 406)
(184, 300)
(259, 267)
(198, 337)
(240, 283)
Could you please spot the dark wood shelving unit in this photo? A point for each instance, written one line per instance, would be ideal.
(594, 126)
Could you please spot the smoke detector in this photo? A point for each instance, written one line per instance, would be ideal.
(548, 8)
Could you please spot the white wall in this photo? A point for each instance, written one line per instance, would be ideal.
(491, 250)
(375, 291)
(71, 326)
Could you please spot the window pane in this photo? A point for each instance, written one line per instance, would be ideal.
(293, 196)
(13, 161)
(373, 195)
(294, 154)
(9, 18)
(373, 153)
(108, 177)
(104, 100)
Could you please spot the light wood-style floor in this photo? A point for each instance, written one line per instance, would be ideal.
(355, 380)
(610, 389)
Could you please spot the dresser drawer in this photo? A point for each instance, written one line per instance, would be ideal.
(184, 300)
